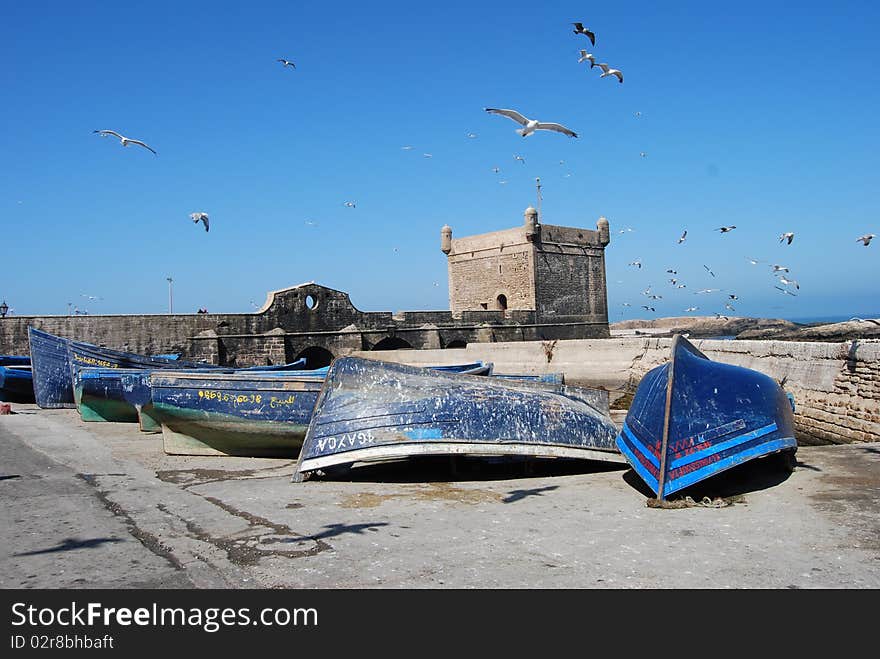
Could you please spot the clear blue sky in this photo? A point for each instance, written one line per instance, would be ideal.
(759, 115)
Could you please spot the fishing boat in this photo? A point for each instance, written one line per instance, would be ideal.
(692, 418)
(52, 359)
(371, 410)
(244, 412)
(16, 379)
(123, 394)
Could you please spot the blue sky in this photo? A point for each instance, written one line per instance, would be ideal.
(763, 117)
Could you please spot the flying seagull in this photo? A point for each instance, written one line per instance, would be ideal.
(733, 296)
(709, 271)
(753, 261)
(683, 236)
(125, 140)
(672, 272)
(350, 204)
(580, 29)
(643, 154)
(778, 268)
(728, 305)
(691, 308)
(608, 71)
(785, 281)
(471, 135)
(587, 56)
(496, 169)
(521, 159)
(406, 148)
(529, 126)
(866, 239)
(636, 263)
(726, 229)
(787, 236)
(286, 62)
(785, 290)
(200, 217)
(645, 306)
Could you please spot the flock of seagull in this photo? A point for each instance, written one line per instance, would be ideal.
(529, 126)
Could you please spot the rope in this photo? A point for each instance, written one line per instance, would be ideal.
(688, 502)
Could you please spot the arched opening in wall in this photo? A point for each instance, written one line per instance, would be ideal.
(311, 301)
(392, 343)
(457, 343)
(316, 357)
(501, 302)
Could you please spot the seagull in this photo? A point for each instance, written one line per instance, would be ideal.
(682, 286)
(729, 306)
(626, 304)
(787, 236)
(672, 272)
(643, 154)
(645, 306)
(406, 148)
(608, 71)
(673, 281)
(496, 169)
(784, 290)
(725, 229)
(718, 316)
(779, 268)
(529, 126)
(93, 298)
(707, 290)
(125, 140)
(428, 155)
(733, 296)
(311, 223)
(683, 236)
(580, 29)
(866, 239)
(200, 217)
(503, 182)
(753, 261)
(785, 281)
(521, 159)
(471, 135)
(350, 204)
(636, 263)
(691, 309)
(625, 229)
(587, 56)
(638, 114)
(286, 62)
(709, 271)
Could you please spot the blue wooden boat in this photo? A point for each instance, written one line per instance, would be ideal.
(16, 384)
(244, 412)
(15, 360)
(692, 418)
(371, 410)
(123, 394)
(234, 413)
(52, 359)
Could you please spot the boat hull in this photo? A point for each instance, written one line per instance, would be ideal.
(16, 384)
(707, 418)
(53, 359)
(238, 413)
(370, 410)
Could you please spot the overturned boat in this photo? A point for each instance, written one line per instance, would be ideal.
(16, 379)
(123, 394)
(242, 412)
(372, 410)
(692, 418)
(53, 358)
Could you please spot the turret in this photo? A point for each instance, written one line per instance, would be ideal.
(446, 239)
(604, 231)
(533, 229)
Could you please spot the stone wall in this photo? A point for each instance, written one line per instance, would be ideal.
(836, 386)
(299, 321)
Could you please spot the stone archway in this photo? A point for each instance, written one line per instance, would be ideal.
(392, 343)
(316, 357)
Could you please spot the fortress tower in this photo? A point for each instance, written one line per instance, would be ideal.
(557, 272)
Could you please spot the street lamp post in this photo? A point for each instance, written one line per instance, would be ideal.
(3, 309)
(170, 295)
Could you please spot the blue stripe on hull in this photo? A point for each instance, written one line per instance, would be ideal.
(766, 448)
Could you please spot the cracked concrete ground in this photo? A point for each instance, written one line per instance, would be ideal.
(101, 505)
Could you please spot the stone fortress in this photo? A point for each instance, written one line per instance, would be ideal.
(529, 283)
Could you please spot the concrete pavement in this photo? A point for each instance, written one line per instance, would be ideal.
(101, 505)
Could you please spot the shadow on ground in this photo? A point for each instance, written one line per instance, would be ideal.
(434, 469)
